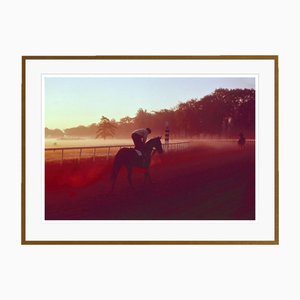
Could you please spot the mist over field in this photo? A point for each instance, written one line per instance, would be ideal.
(90, 142)
(84, 142)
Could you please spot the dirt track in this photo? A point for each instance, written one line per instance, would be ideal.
(203, 183)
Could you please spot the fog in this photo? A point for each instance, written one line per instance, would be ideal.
(89, 142)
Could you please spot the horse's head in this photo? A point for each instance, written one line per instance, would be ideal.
(156, 144)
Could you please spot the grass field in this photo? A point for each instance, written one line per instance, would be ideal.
(204, 182)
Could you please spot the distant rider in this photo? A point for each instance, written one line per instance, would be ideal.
(242, 140)
(139, 137)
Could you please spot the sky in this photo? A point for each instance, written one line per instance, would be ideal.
(74, 101)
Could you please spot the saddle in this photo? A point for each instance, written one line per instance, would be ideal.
(139, 152)
(142, 157)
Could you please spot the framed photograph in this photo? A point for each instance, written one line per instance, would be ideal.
(150, 150)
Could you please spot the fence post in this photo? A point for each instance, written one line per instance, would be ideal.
(80, 154)
(94, 157)
(108, 150)
(167, 133)
(62, 156)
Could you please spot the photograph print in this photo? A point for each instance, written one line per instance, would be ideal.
(149, 147)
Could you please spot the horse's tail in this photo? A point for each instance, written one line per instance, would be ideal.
(116, 168)
(117, 164)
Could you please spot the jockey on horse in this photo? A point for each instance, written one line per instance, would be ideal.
(139, 138)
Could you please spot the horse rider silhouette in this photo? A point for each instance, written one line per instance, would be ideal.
(139, 138)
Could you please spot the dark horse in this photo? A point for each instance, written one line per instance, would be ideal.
(242, 141)
(129, 158)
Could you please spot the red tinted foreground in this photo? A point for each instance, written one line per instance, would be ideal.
(202, 183)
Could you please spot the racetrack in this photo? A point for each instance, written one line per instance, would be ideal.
(205, 182)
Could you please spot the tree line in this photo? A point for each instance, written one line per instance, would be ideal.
(225, 112)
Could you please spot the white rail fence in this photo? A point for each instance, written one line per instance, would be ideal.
(79, 153)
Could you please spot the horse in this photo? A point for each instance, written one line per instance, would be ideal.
(129, 158)
(241, 141)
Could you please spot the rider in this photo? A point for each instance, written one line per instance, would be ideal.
(241, 140)
(139, 138)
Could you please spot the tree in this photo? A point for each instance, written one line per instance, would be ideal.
(126, 120)
(125, 127)
(142, 118)
(106, 128)
(53, 133)
(76, 131)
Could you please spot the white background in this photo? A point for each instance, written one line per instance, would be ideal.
(148, 272)
(260, 229)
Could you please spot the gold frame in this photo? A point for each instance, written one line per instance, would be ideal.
(171, 242)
